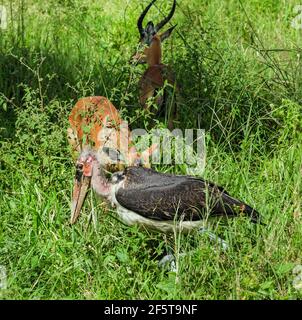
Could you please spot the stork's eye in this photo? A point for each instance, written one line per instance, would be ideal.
(137, 162)
(117, 177)
(89, 159)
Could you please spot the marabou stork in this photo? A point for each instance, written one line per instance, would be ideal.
(154, 200)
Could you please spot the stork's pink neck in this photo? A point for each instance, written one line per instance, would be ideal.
(99, 183)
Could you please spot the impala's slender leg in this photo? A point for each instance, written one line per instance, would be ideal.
(146, 93)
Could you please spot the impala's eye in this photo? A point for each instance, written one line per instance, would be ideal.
(109, 124)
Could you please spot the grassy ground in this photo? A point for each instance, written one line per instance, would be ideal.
(239, 67)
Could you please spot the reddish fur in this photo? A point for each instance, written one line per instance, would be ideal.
(153, 53)
(92, 112)
(96, 113)
(155, 75)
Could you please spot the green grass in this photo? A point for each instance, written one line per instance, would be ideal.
(248, 99)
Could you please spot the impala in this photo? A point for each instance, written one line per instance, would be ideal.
(158, 81)
(95, 124)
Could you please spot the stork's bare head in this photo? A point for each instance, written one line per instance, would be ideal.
(91, 168)
(89, 171)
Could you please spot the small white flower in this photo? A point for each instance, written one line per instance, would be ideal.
(3, 17)
(297, 282)
(3, 282)
(296, 23)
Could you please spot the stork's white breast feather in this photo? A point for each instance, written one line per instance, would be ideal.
(131, 218)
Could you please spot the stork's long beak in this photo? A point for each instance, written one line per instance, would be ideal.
(80, 188)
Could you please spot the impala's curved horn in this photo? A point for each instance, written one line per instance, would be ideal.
(167, 19)
(141, 18)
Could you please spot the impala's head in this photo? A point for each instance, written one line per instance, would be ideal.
(150, 39)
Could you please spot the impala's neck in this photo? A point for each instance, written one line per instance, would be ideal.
(154, 52)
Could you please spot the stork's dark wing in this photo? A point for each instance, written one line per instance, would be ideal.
(166, 197)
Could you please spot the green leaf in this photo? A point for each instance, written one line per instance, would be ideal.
(122, 256)
(284, 268)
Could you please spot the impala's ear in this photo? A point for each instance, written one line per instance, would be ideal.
(150, 30)
(167, 33)
(73, 140)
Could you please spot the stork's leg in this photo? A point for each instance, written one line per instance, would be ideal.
(215, 238)
(168, 260)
